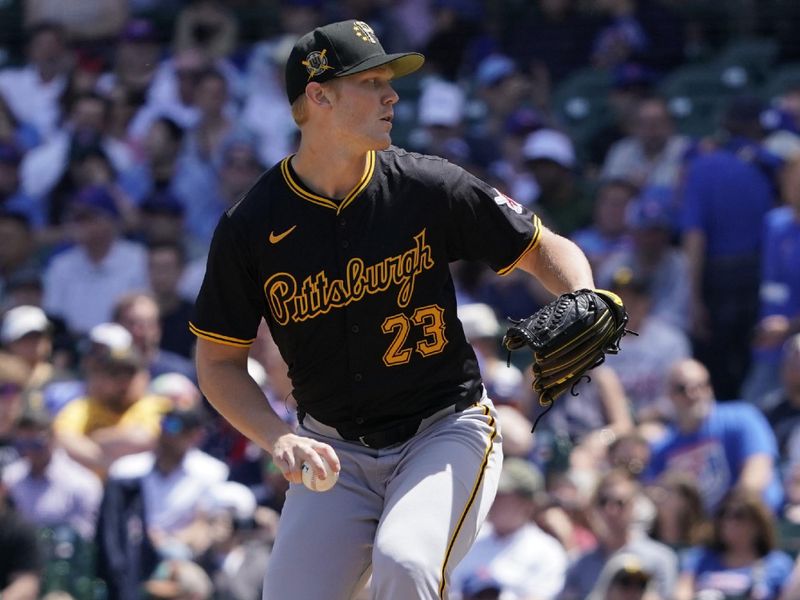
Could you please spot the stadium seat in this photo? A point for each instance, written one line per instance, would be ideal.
(696, 115)
(580, 104)
(781, 79)
(747, 61)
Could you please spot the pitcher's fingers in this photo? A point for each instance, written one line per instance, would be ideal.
(330, 456)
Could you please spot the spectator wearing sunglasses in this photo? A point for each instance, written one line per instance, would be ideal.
(724, 445)
(613, 518)
(48, 488)
(741, 561)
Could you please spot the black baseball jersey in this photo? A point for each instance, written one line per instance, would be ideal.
(357, 292)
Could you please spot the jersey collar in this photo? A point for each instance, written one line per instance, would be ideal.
(298, 189)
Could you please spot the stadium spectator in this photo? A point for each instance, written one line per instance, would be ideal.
(162, 222)
(14, 374)
(563, 203)
(525, 561)
(14, 132)
(652, 155)
(640, 366)
(17, 253)
(28, 334)
(653, 256)
(21, 561)
(680, 521)
(623, 578)
(441, 115)
(636, 30)
(167, 500)
(33, 90)
(608, 233)
(82, 283)
(186, 404)
(166, 261)
(504, 383)
(630, 451)
(49, 488)
(135, 60)
(612, 518)
(782, 407)
(116, 417)
(206, 189)
(779, 313)
(158, 166)
(177, 579)
(481, 586)
(139, 313)
(508, 168)
(741, 559)
(726, 195)
(239, 548)
(85, 130)
(12, 198)
(725, 445)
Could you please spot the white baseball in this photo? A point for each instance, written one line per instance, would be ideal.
(319, 484)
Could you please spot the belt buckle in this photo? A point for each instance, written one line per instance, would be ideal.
(363, 441)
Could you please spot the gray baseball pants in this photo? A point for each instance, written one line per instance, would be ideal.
(406, 514)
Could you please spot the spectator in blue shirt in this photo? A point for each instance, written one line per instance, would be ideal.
(727, 193)
(780, 288)
(742, 560)
(723, 445)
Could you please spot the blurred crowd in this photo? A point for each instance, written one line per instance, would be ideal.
(128, 126)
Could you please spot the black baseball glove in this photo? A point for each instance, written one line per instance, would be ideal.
(568, 337)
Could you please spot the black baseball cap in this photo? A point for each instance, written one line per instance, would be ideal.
(340, 49)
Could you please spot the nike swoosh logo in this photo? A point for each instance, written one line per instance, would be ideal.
(274, 239)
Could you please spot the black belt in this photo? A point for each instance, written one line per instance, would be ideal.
(397, 434)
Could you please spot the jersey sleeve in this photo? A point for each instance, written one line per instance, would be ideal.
(484, 224)
(228, 308)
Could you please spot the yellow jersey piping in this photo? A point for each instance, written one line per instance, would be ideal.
(366, 177)
(537, 223)
(219, 338)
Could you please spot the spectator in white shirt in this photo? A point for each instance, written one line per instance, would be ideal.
(528, 563)
(82, 283)
(33, 90)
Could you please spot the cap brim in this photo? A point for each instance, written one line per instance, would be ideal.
(402, 64)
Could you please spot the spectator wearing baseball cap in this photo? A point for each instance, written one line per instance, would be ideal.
(440, 112)
(27, 333)
(505, 384)
(525, 561)
(82, 283)
(163, 221)
(563, 201)
(135, 59)
(624, 577)
(116, 416)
